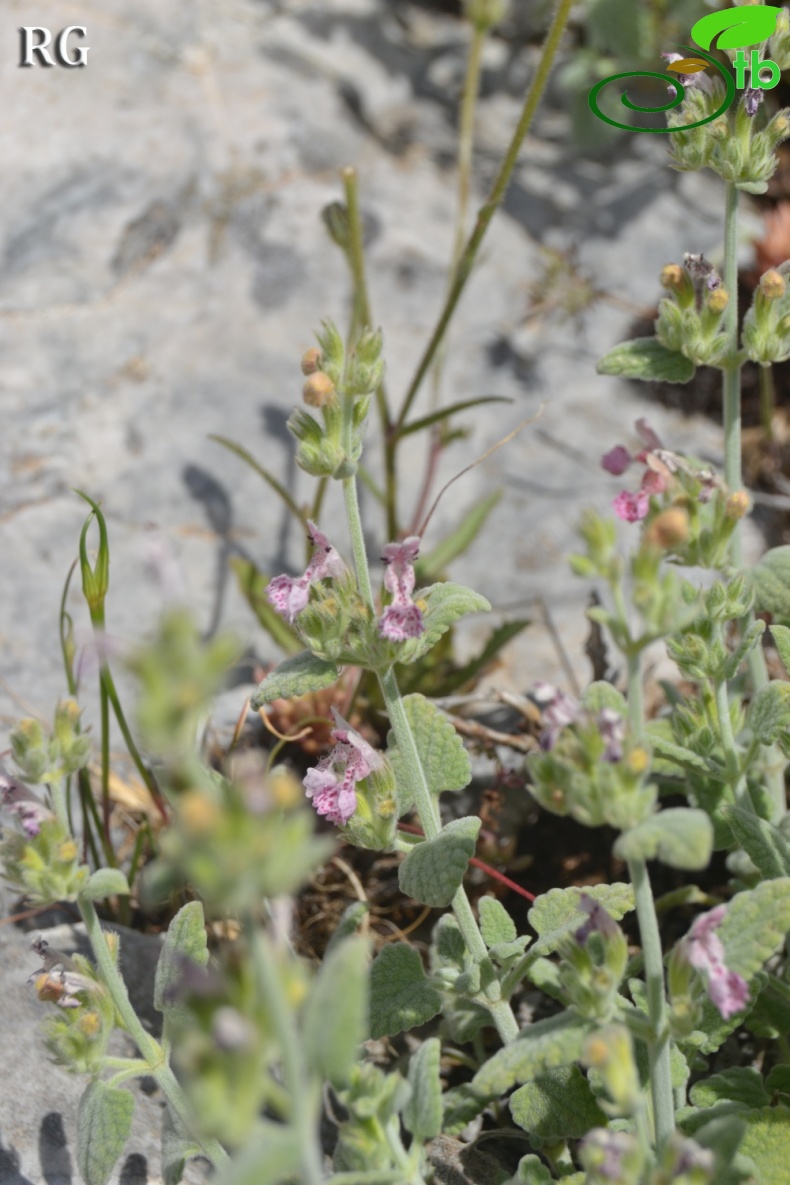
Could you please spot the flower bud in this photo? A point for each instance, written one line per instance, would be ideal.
(737, 504)
(318, 389)
(311, 361)
(772, 285)
(669, 529)
(718, 300)
(676, 279)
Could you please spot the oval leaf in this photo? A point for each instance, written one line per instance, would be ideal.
(295, 676)
(542, 1046)
(400, 995)
(645, 358)
(444, 759)
(423, 1112)
(107, 882)
(185, 942)
(103, 1126)
(558, 1105)
(341, 993)
(772, 583)
(755, 926)
(679, 837)
(557, 912)
(444, 605)
(764, 844)
(433, 871)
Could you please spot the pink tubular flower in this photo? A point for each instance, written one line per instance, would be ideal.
(331, 784)
(402, 618)
(617, 460)
(704, 950)
(558, 709)
(17, 797)
(289, 594)
(631, 508)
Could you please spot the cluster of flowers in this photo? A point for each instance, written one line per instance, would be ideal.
(661, 466)
(57, 981)
(699, 80)
(332, 783)
(560, 710)
(401, 619)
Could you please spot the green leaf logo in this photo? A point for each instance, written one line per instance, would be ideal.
(739, 27)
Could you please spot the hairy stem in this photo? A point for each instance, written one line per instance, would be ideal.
(149, 1048)
(492, 203)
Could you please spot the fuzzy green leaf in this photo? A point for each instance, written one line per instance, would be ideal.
(349, 923)
(558, 1105)
(400, 995)
(496, 924)
(769, 715)
(445, 604)
(461, 1104)
(772, 583)
(557, 913)
(781, 637)
(755, 926)
(106, 882)
(177, 1149)
(295, 676)
(252, 586)
(433, 871)
(740, 1084)
(680, 837)
(185, 942)
(423, 1112)
(532, 1171)
(645, 358)
(444, 759)
(764, 844)
(542, 1046)
(103, 1126)
(767, 1142)
(686, 758)
(272, 1156)
(340, 992)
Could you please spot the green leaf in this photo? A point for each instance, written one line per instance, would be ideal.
(278, 488)
(295, 676)
(542, 1046)
(496, 924)
(444, 759)
(740, 1084)
(755, 926)
(423, 1112)
(177, 1149)
(103, 1125)
(185, 941)
(772, 583)
(557, 912)
(601, 695)
(459, 540)
(106, 882)
(685, 758)
(764, 844)
(271, 1157)
(769, 714)
(781, 637)
(723, 1137)
(769, 1016)
(444, 412)
(532, 1171)
(767, 1142)
(462, 1104)
(778, 1080)
(445, 604)
(645, 358)
(400, 995)
(681, 837)
(558, 1105)
(349, 923)
(252, 585)
(340, 992)
(433, 871)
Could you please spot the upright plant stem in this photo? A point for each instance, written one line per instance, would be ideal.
(492, 203)
(149, 1048)
(659, 1047)
(758, 671)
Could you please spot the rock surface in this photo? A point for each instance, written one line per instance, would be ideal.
(165, 265)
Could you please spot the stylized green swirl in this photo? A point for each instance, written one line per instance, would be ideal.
(680, 94)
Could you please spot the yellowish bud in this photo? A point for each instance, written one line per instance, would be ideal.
(718, 300)
(67, 851)
(668, 529)
(672, 277)
(772, 285)
(198, 814)
(89, 1024)
(286, 791)
(638, 761)
(737, 504)
(311, 361)
(318, 389)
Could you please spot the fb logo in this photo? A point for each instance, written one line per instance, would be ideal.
(736, 28)
(35, 40)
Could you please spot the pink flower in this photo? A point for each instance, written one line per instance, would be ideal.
(631, 507)
(704, 951)
(401, 619)
(558, 710)
(617, 460)
(331, 784)
(17, 797)
(289, 594)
